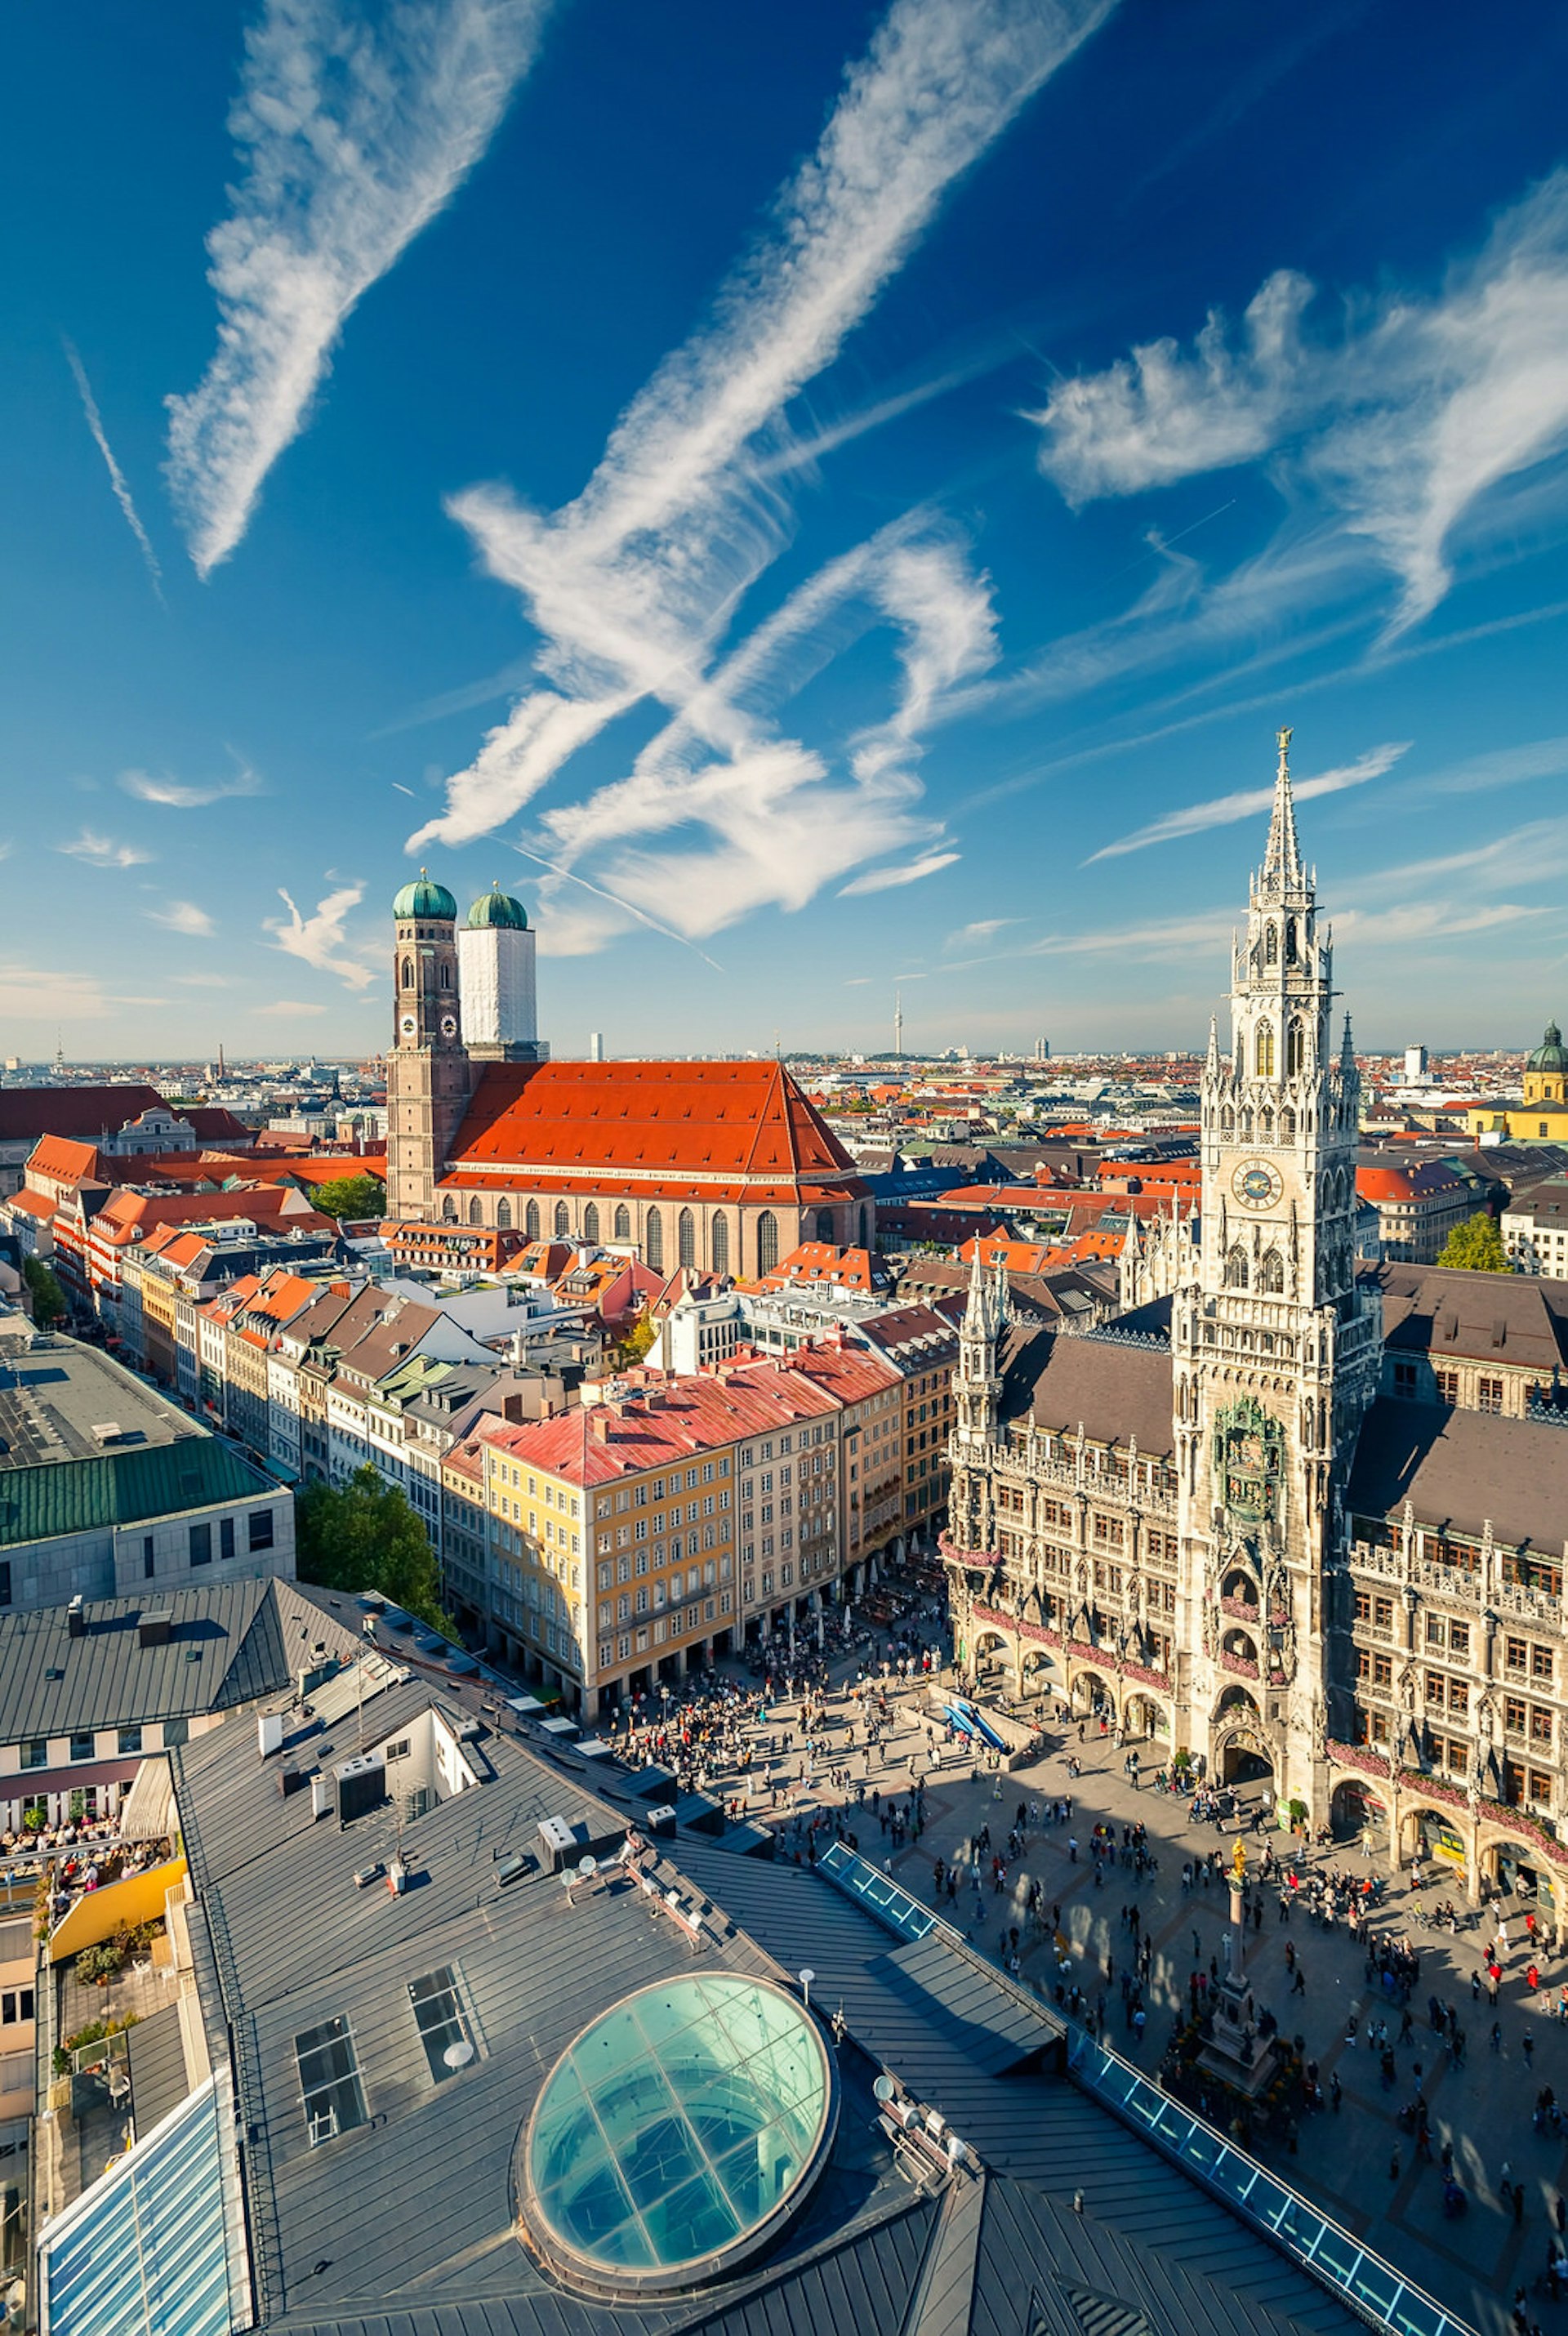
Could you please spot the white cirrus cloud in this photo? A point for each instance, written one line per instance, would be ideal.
(183, 917)
(174, 794)
(981, 929)
(1223, 811)
(103, 851)
(355, 128)
(886, 879)
(292, 1006)
(118, 485)
(633, 587)
(319, 940)
(1402, 421)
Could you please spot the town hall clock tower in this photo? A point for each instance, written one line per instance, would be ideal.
(1275, 1349)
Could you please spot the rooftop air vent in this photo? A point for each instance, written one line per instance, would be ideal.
(76, 1619)
(154, 1629)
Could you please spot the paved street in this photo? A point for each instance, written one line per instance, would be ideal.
(1355, 2163)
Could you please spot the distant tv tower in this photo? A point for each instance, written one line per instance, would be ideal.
(898, 1023)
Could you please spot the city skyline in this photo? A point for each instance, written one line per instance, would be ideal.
(807, 542)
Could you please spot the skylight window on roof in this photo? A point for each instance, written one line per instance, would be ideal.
(438, 2016)
(329, 2082)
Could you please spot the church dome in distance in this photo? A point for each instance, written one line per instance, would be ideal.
(1551, 1055)
(424, 899)
(497, 908)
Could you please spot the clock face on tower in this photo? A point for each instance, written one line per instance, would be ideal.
(449, 1025)
(1257, 1185)
(408, 1025)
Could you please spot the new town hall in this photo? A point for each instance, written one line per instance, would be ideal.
(1235, 1518)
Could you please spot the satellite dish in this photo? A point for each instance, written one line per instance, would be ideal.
(587, 1866)
(884, 2089)
(807, 1977)
(458, 2055)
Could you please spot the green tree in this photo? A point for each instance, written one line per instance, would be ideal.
(351, 1196)
(48, 1297)
(1477, 1245)
(363, 1535)
(639, 1338)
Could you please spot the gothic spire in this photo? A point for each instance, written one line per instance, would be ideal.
(1346, 1051)
(975, 1311)
(1212, 1064)
(1282, 860)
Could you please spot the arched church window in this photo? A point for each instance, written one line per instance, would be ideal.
(562, 1221)
(449, 1210)
(1271, 946)
(1236, 1269)
(1263, 1051)
(408, 973)
(503, 1216)
(530, 1221)
(718, 1242)
(825, 1224)
(590, 1223)
(766, 1241)
(865, 1243)
(1287, 1125)
(686, 1237)
(653, 1240)
(446, 976)
(1246, 1119)
(1227, 1122)
(475, 1213)
(1291, 942)
(623, 1222)
(1266, 1124)
(1271, 1274)
(1295, 1050)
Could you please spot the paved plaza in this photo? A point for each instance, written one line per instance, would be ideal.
(1355, 2162)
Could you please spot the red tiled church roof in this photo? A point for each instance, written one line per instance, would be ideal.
(598, 1121)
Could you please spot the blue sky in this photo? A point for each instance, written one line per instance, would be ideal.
(812, 497)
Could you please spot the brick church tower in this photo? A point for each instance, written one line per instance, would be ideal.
(429, 1074)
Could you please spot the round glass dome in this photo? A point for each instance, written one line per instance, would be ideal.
(675, 2134)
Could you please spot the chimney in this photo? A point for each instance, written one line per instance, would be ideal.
(599, 1420)
(154, 1629)
(76, 1619)
(268, 1733)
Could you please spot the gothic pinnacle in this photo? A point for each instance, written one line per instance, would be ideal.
(1282, 859)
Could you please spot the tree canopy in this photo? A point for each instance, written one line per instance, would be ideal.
(363, 1535)
(1477, 1245)
(48, 1297)
(352, 1197)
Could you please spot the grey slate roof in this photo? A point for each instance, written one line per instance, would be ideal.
(1459, 1468)
(1452, 1316)
(405, 2226)
(1114, 1391)
(249, 1638)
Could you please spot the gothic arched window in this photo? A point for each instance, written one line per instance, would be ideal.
(503, 1216)
(475, 1213)
(408, 973)
(1266, 1124)
(1264, 1050)
(1291, 947)
(446, 976)
(1271, 1274)
(590, 1223)
(1236, 1269)
(686, 1237)
(766, 1241)
(653, 1241)
(865, 1243)
(562, 1221)
(1272, 947)
(449, 1210)
(1295, 1050)
(1246, 1119)
(1287, 1123)
(825, 1224)
(1227, 1122)
(623, 1222)
(530, 1221)
(718, 1242)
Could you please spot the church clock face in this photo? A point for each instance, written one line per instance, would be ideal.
(1257, 1185)
(449, 1025)
(408, 1025)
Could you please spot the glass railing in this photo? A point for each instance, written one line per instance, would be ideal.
(885, 1898)
(1373, 2289)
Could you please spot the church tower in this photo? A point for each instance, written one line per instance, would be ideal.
(1276, 1351)
(496, 981)
(429, 1077)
